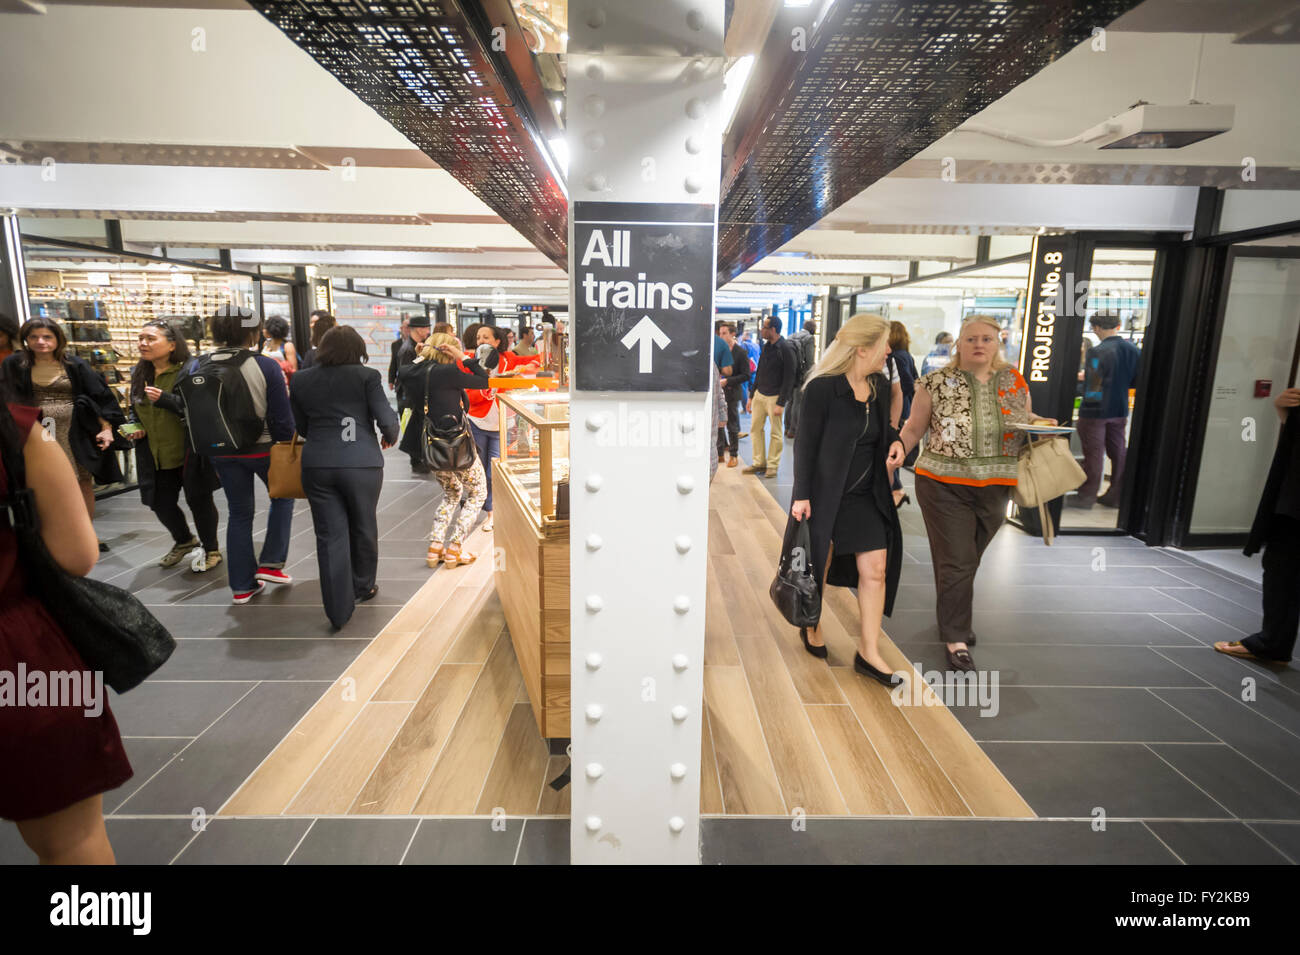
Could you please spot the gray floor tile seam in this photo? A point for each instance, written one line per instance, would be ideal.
(1168, 847)
(333, 638)
(1161, 614)
(188, 842)
(1108, 586)
(519, 845)
(1210, 568)
(410, 842)
(1236, 603)
(1270, 843)
(180, 752)
(1246, 668)
(438, 490)
(1262, 769)
(1234, 698)
(990, 642)
(1193, 782)
(298, 845)
(126, 736)
(1003, 684)
(1108, 742)
(282, 603)
(1205, 612)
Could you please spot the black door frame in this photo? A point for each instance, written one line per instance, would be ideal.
(1211, 335)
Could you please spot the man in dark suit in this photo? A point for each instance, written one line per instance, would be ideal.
(337, 404)
(417, 330)
(403, 336)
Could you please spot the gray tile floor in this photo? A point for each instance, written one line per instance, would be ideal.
(1111, 703)
(1133, 740)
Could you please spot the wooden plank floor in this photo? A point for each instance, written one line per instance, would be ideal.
(785, 731)
(432, 718)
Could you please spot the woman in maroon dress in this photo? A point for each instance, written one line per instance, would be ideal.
(58, 757)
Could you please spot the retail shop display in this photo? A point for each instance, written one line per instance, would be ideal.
(532, 569)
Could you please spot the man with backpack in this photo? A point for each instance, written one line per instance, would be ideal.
(236, 406)
(805, 343)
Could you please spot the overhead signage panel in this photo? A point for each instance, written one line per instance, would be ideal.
(643, 296)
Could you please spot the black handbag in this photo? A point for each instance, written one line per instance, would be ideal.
(795, 591)
(447, 447)
(114, 633)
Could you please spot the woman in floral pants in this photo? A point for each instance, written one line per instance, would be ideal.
(435, 384)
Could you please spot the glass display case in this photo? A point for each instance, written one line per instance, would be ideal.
(535, 448)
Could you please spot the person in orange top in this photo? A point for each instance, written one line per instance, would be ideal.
(965, 474)
(483, 421)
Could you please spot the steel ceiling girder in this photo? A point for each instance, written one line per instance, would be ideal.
(880, 81)
(432, 70)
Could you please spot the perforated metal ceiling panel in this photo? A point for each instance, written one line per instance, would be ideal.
(880, 81)
(422, 66)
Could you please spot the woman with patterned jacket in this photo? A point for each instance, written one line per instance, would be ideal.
(965, 474)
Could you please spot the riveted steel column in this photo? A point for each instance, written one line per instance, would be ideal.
(643, 102)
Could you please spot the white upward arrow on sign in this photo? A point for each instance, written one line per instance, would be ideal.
(646, 333)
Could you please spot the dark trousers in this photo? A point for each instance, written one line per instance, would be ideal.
(344, 512)
(1276, 638)
(960, 521)
(1101, 438)
(729, 437)
(489, 447)
(237, 481)
(167, 486)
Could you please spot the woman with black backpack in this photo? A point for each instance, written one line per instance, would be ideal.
(164, 463)
(437, 381)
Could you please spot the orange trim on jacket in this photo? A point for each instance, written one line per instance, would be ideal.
(969, 482)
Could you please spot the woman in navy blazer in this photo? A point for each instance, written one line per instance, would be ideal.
(337, 403)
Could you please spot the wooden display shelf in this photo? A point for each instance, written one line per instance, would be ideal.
(532, 579)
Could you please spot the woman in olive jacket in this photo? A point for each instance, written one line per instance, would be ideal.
(844, 460)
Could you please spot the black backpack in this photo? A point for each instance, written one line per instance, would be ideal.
(220, 413)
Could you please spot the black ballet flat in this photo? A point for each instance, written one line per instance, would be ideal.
(890, 680)
(905, 499)
(819, 652)
(370, 594)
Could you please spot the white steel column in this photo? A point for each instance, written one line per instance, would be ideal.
(643, 112)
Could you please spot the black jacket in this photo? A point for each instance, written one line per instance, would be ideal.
(446, 385)
(94, 400)
(336, 408)
(830, 421)
(1282, 489)
(739, 367)
(198, 477)
(776, 370)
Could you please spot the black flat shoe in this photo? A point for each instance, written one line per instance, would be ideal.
(961, 660)
(903, 500)
(369, 594)
(866, 669)
(818, 652)
(970, 641)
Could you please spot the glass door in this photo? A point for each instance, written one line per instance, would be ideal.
(1259, 341)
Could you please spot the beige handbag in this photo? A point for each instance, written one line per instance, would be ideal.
(1047, 470)
(284, 479)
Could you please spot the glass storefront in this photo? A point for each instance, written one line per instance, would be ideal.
(1257, 352)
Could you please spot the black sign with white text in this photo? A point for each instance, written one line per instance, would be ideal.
(643, 296)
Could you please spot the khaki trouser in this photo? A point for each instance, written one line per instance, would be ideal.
(765, 407)
(960, 520)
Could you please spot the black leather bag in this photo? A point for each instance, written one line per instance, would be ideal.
(113, 632)
(795, 591)
(448, 442)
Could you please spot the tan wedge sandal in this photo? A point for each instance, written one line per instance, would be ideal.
(435, 555)
(453, 557)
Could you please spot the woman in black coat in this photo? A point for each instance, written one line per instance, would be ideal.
(845, 457)
(443, 374)
(80, 410)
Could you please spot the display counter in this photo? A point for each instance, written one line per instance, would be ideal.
(532, 537)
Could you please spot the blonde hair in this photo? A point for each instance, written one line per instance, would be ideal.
(999, 360)
(430, 349)
(860, 331)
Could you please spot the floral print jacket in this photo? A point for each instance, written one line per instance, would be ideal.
(970, 441)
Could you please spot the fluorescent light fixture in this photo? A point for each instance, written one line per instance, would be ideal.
(1165, 127)
(733, 85)
(560, 150)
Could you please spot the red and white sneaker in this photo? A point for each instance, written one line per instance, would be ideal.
(273, 575)
(246, 597)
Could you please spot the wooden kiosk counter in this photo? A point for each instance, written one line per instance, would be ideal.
(532, 565)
